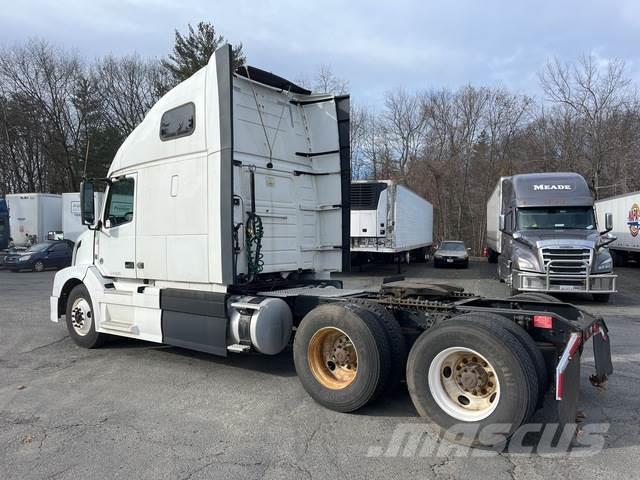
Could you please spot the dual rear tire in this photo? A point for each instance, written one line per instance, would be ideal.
(472, 370)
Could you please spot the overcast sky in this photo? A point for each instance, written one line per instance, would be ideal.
(375, 45)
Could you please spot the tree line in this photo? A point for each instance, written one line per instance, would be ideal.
(449, 145)
(452, 146)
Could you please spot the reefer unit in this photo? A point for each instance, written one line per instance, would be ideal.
(626, 225)
(33, 214)
(389, 218)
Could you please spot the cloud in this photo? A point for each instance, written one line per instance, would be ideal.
(376, 45)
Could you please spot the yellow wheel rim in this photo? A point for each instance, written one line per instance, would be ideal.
(333, 359)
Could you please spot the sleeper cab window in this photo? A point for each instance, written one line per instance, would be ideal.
(178, 122)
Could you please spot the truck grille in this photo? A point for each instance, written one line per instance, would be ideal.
(567, 261)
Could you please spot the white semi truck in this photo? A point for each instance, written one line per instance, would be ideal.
(32, 216)
(626, 226)
(389, 220)
(226, 210)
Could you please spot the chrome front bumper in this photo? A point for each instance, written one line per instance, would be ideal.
(554, 282)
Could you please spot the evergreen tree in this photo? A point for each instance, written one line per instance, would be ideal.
(193, 51)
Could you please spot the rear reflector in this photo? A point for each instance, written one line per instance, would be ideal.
(542, 321)
(570, 350)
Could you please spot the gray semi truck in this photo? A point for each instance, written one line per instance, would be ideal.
(542, 233)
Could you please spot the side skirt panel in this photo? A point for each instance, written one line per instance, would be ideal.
(195, 320)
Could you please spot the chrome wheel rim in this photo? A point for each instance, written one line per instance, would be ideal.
(81, 316)
(464, 384)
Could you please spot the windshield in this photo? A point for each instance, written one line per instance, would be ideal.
(38, 247)
(452, 246)
(554, 218)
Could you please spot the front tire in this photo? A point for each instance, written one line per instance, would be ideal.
(342, 356)
(473, 373)
(601, 297)
(80, 319)
(38, 266)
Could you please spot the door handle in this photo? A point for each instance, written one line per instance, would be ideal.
(128, 264)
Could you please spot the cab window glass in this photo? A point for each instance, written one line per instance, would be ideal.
(120, 202)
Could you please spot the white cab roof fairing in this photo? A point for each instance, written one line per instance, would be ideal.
(144, 143)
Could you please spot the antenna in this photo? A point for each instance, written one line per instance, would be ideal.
(86, 158)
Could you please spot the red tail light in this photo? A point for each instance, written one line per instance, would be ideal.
(543, 321)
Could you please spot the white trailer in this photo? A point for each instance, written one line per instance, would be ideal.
(72, 225)
(32, 216)
(494, 234)
(389, 219)
(626, 225)
(227, 209)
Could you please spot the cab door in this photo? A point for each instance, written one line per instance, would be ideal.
(116, 240)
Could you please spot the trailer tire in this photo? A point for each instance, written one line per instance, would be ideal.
(395, 338)
(333, 385)
(515, 390)
(525, 340)
(80, 319)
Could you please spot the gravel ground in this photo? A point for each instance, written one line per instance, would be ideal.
(139, 410)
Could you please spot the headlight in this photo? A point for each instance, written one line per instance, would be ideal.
(24, 258)
(606, 265)
(524, 264)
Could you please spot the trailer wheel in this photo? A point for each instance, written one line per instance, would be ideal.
(395, 337)
(342, 356)
(80, 319)
(474, 373)
(525, 340)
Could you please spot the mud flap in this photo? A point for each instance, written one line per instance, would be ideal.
(602, 355)
(567, 408)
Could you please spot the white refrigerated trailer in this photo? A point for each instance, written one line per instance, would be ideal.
(626, 226)
(72, 225)
(32, 216)
(227, 209)
(388, 219)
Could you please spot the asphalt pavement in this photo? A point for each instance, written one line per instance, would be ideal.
(138, 410)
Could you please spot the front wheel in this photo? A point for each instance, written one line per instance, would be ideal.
(80, 319)
(38, 266)
(601, 297)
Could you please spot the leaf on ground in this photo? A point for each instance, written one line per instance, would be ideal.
(21, 387)
(26, 440)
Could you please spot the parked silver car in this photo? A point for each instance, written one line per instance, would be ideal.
(451, 252)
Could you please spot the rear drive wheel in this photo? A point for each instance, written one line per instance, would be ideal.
(38, 266)
(467, 372)
(525, 340)
(395, 338)
(80, 319)
(342, 356)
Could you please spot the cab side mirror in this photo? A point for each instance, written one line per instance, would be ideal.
(501, 223)
(87, 207)
(608, 221)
